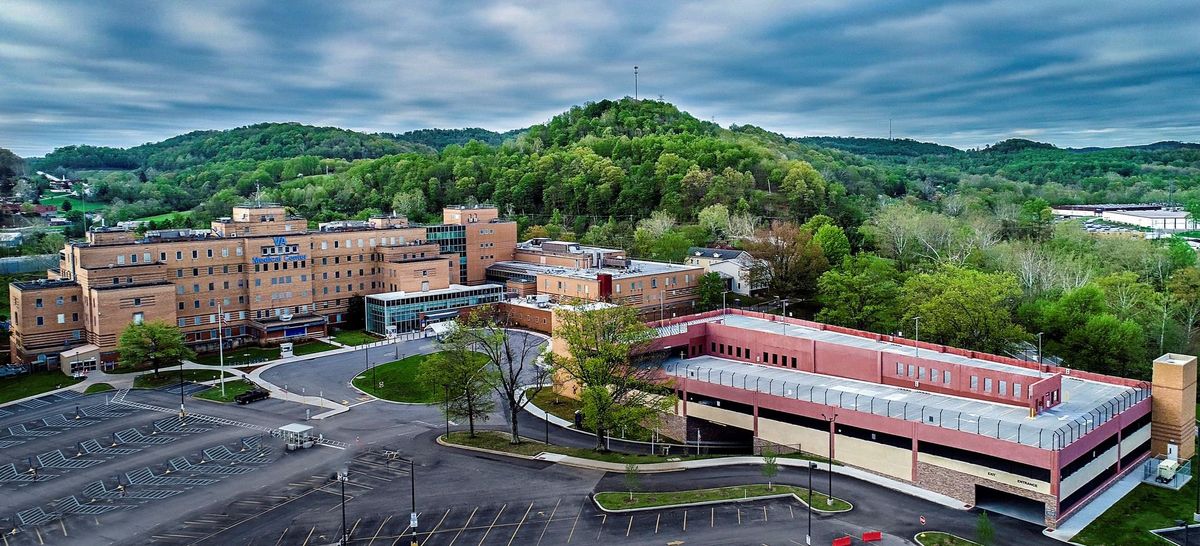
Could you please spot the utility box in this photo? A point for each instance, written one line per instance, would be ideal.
(285, 350)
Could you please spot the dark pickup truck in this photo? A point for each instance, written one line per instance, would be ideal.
(252, 396)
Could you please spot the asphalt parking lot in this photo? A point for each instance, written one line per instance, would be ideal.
(79, 468)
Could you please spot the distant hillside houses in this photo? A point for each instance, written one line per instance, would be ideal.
(732, 265)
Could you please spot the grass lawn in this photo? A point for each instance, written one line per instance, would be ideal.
(564, 407)
(250, 354)
(354, 337)
(232, 389)
(400, 383)
(21, 386)
(938, 538)
(98, 387)
(171, 377)
(617, 500)
(498, 441)
(76, 203)
(165, 216)
(1127, 523)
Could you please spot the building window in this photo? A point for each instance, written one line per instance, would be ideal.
(946, 377)
(1017, 390)
(178, 254)
(974, 382)
(195, 254)
(182, 322)
(654, 283)
(912, 370)
(74, 317)
(1003, 388)
(921, 373)
(210, 254)
(139, 317)
(120, 259)
(62, 319)
(137, 302)
(37, 303)
(987, 384)
(899, 368)
(39, 321)
(58, 300)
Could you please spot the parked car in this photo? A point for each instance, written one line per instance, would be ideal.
(252, 396)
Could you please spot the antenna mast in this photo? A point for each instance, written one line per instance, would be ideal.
(635, 82)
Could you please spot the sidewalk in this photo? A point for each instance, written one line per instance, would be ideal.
(1097, 506)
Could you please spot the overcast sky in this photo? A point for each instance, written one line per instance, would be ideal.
(964, 74)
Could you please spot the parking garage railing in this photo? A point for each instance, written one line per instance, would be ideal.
(1022, 433)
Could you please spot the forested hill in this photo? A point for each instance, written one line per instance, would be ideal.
(880, 147)
(256, 142)
(440, 138)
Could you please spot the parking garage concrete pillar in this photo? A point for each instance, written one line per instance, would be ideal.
(1173, 399)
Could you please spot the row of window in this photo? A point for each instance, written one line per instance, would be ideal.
(196, 271)
(37, 303)
(639, 285)
(61, 318)
(919, 373)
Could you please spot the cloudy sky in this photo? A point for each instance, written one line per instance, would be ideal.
(959, 73)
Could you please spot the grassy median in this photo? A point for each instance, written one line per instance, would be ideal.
(499, 441)
(251, 355)
(938, 538)
(354, 337)
(98, 387)
(624, 500)
(30, 384)
(168, 377)
(232, 389)
(401, 381)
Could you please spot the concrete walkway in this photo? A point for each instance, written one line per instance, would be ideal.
(1097, 506)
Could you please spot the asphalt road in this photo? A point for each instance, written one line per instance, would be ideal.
(462, 497)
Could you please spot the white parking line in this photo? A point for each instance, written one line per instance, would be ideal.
(548, 520)
(489, 529)
(581, 505)
(464, 527)
(519, 524)
(377, 531)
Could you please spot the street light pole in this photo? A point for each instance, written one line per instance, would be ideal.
(832, 430)
(808, 537)
(182, 412)
(1040, 347)
(342, 478)
(412, 476)
(221, 346)
(917, 337)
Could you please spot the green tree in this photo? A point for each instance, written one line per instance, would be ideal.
(834, 243)
(65, 206)
(633, 478)
(964, 308)
(606, 361)
(463, 382)
(985, 534)
(863, 292)
(1180, 253)
(770, 467)
(1036, 219)
(672, 246)
(1106, 344)
(709, 290)
(152, 345)
(1184, 289)
(715, 218)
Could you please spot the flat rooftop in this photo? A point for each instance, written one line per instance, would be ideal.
(793, 330)
(1153, 213)
(1054, 428)
(636, 268)
(453, 289)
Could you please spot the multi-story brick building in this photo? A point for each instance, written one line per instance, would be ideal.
(270, 275)
(570, 271)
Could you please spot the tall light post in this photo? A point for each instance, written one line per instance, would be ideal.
(635, 82)
(221, 346)
(1040, 347)
(808, 537)
(342, 477)
(182, 412)
(917, 337)
(832, 430)
(412, 477)
(1186, 534)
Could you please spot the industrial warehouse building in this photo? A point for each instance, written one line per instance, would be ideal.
(980, 428)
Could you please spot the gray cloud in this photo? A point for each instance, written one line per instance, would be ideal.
(964, 74)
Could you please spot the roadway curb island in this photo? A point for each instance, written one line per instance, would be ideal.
(708, 503)
(916, 541)
(442, 442)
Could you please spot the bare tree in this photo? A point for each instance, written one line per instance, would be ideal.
(516, 376)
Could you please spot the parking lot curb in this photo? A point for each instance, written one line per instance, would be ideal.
(440, 441)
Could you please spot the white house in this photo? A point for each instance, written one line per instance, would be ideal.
(732, 265)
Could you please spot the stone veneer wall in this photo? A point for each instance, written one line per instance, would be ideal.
(962, 487)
